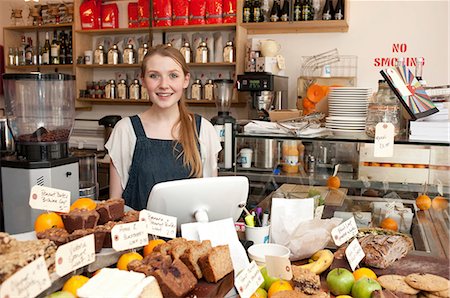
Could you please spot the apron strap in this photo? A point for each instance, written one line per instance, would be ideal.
(137, 127)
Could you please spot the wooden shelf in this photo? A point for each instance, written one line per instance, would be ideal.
(31, 67)
(296, 27)
(98, 32)
(41, 28)
(206, 27)
(99, 66)
(212, 64)
(205, 102)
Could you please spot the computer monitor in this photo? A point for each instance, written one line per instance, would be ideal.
(200, 199)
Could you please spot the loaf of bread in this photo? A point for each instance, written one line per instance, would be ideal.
(216, 263)
(176, 280)
(111, 209)
(193, 253)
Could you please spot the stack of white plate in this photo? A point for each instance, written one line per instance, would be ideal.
(347, 107)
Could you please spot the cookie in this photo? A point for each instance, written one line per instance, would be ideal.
(396, 283)
(427, 282)
(430, 295)
(442, 294)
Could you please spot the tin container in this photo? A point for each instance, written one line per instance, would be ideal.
(111, 90)
(186, 52)
(208, 90)
(228, 52)
(99, 55)
(114, 55)
(122, 90)
(143, 50)
(129, 55)
(202, 53)
(135, 89)
(196, 90)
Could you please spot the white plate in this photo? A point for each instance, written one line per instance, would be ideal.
(346, 118)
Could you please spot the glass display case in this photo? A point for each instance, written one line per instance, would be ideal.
(371, 188)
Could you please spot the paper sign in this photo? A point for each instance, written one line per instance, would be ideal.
(29, 281)
(129, 235)
(319, 211)
(354, 253)
(279, 267)
(384, 140)
(75, 254)
(51, 199)
(345, 231)
(248, 280)
(159, 224)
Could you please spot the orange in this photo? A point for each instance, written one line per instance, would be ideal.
(48, 220)
(83, 203)
(74, 283)
(375, 164)
(420, 166)
(364, 272)
(126, 258)
(389, 224)
(151, 245)
(439, 203)
(278, 286)
(423, 202)
(386, 165)
(408, 166)
(334, 182)
(397, 165)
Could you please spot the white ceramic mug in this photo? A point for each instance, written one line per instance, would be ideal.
(88, 56)
(269, 47)
(246, 157)
(257, 234)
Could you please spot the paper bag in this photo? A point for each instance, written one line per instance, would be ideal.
(293, 226)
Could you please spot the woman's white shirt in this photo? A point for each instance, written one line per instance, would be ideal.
(122, 142)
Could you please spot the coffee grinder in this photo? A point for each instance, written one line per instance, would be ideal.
(40, 109)
(266, 92)
(223, 122)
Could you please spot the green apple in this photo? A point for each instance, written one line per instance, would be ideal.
(364, 287)
(259, 293)
(340, 281)
(268, 280)
(61, 294)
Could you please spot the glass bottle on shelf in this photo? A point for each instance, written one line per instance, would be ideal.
(328, 11)
(208, 90)
(129, 55)
(62, 48)
(290, 156)
(29, 52)
(246, 12)
(54, 50)
(11, 60)
(196, 90)
(275, 11)
(134, 90)
(201, 54)
(297, 10)
(142, 51)
(99, 55)
(307, 11)
(69, 51)
(122, 90)
(228, 52)
(339, 10)
(186, 52)
(22, 50)
(46, 50)
(285, 11)
(257, 14)
(114, 55)
(111, 90)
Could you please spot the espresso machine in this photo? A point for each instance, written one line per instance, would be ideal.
(40, 109)
(266, 92)
(224, 123)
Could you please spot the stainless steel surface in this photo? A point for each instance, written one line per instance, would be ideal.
(264, 100)
(266, 154)
(7, 141)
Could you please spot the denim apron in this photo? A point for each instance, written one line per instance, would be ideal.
(153, 161)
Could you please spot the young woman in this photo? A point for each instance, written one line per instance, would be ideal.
(166, 142)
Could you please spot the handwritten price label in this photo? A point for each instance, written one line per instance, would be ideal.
(248, 280)
(51, 199)
(29, 281)
(345, 231)
(129, 235)
(279, 267)
(159, 224)
(354, 253)
(75, 254)
(384, 140)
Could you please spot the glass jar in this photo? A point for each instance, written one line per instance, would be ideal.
(129, 56)
(196, 90)
(111, 90)
(114, 55)
(99, 55)
(201, 54)
(290, 156)
(228, 52)
(186, 52)
(377, 113)
(208, 90)
(135, 89)
(122, 90)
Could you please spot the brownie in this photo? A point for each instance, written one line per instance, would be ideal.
(57, 235)
(99, 237)
(80, 219)
(106, 229)
(110, 210)
(130, 216)
(176, 280)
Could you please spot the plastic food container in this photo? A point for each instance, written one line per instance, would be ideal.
(258, 252)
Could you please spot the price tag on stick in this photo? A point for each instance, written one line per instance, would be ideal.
(129, 235)
(159, 224)
(345, 231)
(248, 280)
(75, 254)
(354, 253)
(384, 140)
(50, 199)
(279, 267)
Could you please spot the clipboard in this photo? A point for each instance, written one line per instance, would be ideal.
(409, 91)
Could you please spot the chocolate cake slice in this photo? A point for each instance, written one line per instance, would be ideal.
(99, 237)
(110, 210)
(80, 219)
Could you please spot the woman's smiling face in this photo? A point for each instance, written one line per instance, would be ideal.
(164, 80)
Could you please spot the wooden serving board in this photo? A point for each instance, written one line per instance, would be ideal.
(204, 289)
(407, 265)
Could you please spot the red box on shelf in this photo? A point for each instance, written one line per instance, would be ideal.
(197, 11)
(133, 16)
(229, 11)
(90, 14)
(180, 12)
(213, 14)
(144, 13)
(162, 13)
(110, 16)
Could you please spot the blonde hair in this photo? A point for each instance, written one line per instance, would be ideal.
(188, 135)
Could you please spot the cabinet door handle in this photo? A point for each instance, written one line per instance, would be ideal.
(68, 174)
